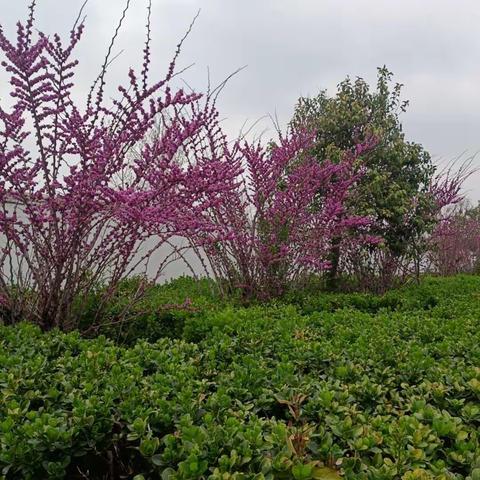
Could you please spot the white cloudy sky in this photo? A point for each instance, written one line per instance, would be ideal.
(297, 47)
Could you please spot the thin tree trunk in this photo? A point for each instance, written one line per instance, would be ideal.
(332, 275)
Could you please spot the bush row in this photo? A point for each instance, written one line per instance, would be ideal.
(164, 309)
(263, 392)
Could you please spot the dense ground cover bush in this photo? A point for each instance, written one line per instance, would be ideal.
(160, 312)
(352, 386)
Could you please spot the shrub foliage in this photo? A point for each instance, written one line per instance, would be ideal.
(256, 393)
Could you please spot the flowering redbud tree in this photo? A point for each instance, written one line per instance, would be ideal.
(444, 193)
(454, 246)
(380, 268)
(281, 215)
(75, 207)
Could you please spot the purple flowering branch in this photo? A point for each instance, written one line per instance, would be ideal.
(454, 246)
(281, 215)
(67, 224)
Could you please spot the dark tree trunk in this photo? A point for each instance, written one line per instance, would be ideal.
(332, 275)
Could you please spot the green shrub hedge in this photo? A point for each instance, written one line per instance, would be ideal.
(266, 392)
(161, 312)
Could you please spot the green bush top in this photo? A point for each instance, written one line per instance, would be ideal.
(263, 392)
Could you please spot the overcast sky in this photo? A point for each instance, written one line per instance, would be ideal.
(293, 48)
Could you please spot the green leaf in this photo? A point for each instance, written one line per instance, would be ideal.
(168, 474)
(325, 473)
(476, 474)
(302, 472)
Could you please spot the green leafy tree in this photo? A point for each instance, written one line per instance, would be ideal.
(394, 189)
